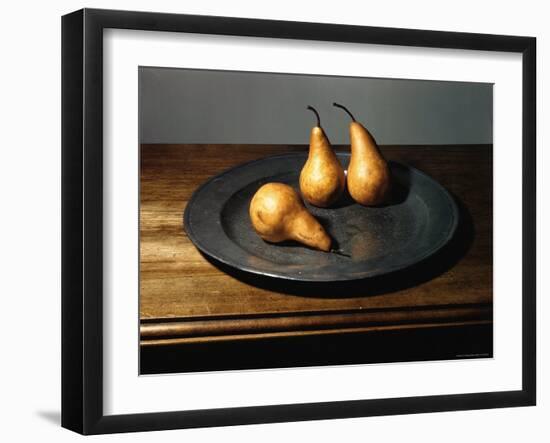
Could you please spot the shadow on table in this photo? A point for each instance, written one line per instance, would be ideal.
(421, 272)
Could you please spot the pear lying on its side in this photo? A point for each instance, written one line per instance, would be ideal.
(369, 177)
(278, 214)
(322, 179)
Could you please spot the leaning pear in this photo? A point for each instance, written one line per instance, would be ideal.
(278, 214)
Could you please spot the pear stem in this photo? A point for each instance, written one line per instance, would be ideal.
(338, 105)
(339, 252)
(311, 108)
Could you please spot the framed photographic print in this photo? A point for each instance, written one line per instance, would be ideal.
(271, 221)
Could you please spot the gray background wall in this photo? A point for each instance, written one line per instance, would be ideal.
(202, 106)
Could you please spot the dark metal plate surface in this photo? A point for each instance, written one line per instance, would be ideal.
(419, 219)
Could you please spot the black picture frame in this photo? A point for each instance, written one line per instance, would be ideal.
(82, 215)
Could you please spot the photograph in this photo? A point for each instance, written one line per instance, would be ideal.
(300, 220)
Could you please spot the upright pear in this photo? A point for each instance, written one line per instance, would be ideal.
(278, 214)
(322, 179)
(368, 177)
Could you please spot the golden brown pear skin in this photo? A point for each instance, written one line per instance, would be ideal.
(322, 179)
(278, 214)
(369, 176)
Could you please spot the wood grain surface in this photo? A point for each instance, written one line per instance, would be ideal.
(186, 298)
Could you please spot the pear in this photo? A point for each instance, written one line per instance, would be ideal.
(322, 179)
(278, 214)
(368, 177)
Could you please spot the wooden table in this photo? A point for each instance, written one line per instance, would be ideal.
(187, 300)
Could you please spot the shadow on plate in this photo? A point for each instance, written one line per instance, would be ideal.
(421, 272)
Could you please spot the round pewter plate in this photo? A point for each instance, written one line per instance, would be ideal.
(418, 220)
